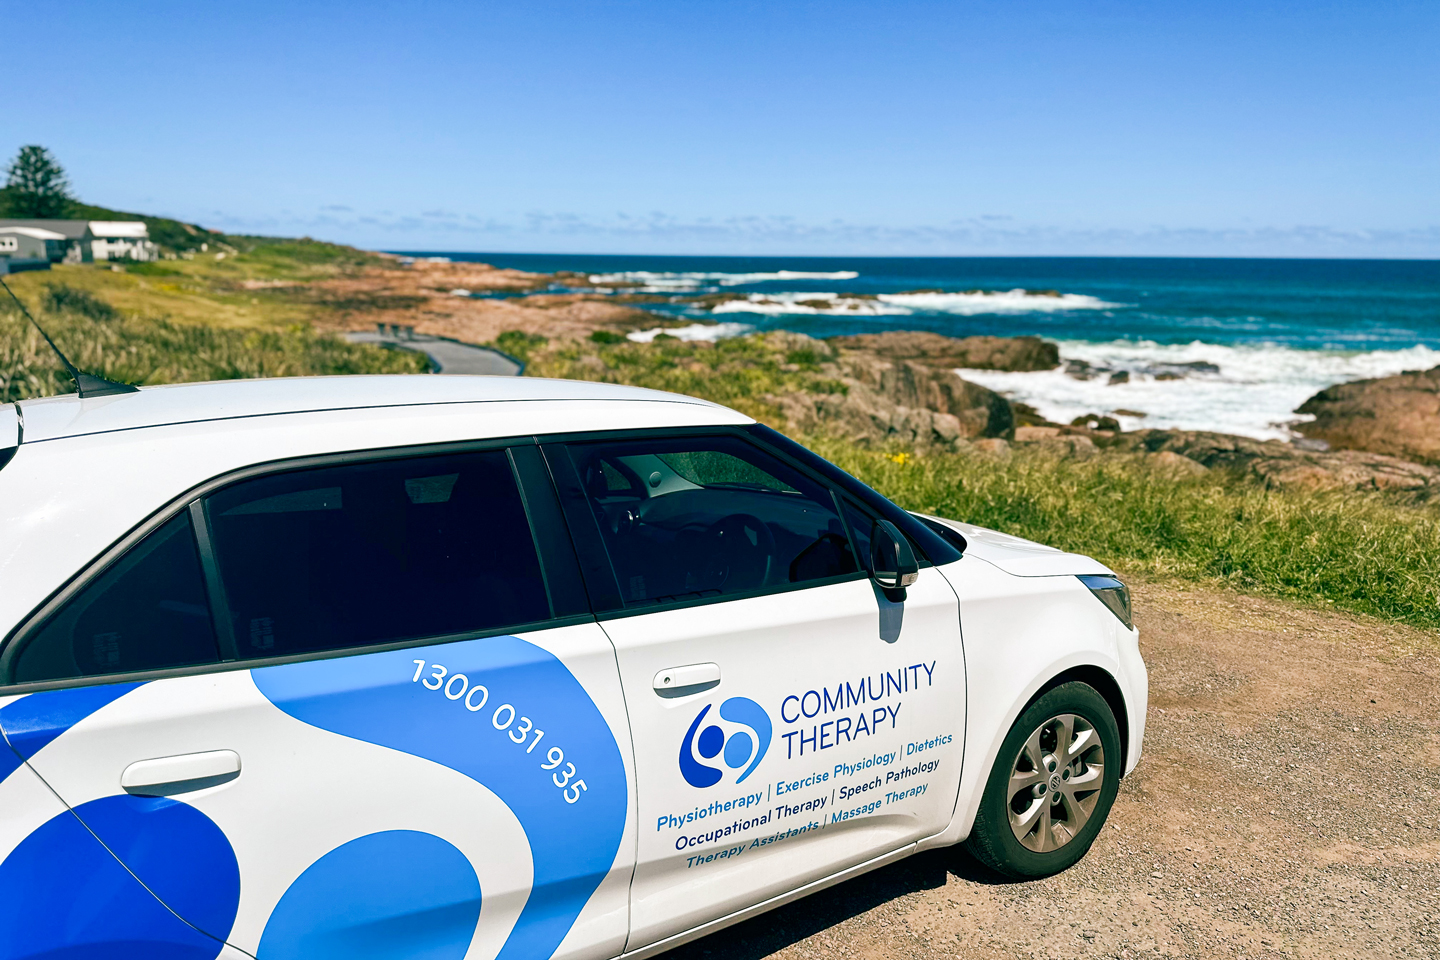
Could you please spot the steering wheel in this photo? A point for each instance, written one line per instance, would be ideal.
(739, 551)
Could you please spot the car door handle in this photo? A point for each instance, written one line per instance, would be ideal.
(167, 776)
(683, 681)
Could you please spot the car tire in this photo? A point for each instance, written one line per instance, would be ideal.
(1033, 822)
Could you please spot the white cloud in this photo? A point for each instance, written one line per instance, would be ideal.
(986, 235)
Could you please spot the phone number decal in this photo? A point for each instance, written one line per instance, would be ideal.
(475, 698)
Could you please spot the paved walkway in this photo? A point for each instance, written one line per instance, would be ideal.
(450, 356)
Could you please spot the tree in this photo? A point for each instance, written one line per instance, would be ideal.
(36, 185)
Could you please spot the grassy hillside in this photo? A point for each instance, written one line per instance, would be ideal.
(141, 349)
(266, 285)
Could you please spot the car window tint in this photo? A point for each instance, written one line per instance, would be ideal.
(376, 552)
(708, 516)
(147, 611)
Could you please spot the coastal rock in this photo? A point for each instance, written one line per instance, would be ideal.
(975, 353)
(1398, 416)
(1096, 421)
(888, 400)
(993, 447)
(1069, 446)
(1070, 443)
(1171, 462)
(1083, 370)
(1282, 465)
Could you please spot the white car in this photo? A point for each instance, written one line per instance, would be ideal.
(450, 667)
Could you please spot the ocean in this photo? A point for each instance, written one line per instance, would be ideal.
(1204, 344)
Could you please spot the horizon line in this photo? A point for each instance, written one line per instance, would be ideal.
(871, 256)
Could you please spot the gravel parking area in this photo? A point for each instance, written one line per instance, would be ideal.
(1287, 805)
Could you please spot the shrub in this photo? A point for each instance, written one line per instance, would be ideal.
(519, 344)
(60, 298)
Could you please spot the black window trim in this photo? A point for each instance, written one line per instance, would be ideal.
(532, 493)
(607, 600)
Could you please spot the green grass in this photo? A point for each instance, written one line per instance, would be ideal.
(1346, 550)
(147, 350)
(1343, 549)
(739, 372)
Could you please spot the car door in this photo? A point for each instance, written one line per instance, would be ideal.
(789, 720)
(414, 743)
(54, 873)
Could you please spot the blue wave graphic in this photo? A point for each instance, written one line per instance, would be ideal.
(374, 699)
(66, 896)
(399, 893)
(28, 724)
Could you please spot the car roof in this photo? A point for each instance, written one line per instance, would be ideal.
(53, 418)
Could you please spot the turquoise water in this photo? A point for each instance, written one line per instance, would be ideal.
(1277, 330)
(1325, 304)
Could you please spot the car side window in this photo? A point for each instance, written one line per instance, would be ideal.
(375, 552)
(148, 611)
(708, 517)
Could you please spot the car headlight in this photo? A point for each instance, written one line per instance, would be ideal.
(1113, 594)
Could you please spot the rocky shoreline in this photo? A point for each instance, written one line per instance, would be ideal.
(898, 394)
(900, 388)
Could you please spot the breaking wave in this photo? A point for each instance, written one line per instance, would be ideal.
(798, 304)
(1247, 390)
(652, 282)
(996, 301)
(696, 331)
(964, 304)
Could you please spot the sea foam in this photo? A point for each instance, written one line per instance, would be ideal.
(968, 304)
(652, 282)
(696, 331)
(996, 301)
(812, 304)
(1254, 393)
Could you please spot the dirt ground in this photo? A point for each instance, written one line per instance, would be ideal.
(1287, 805)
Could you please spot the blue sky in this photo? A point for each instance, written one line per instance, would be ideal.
(1015, 127)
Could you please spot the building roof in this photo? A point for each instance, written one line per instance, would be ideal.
(53, 418)
(35, 232)
(69, 229)
(120, 229)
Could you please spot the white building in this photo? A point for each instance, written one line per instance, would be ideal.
(122, 240)
(29, 248)
(76, 238)
(26, 243)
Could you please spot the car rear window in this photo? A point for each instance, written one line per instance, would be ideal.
(376, 552)
(147, 611)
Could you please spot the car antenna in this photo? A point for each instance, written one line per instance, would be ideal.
(86, 384)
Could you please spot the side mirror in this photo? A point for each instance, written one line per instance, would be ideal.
(892, 562)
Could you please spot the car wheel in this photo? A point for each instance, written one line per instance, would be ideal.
(1052, 786)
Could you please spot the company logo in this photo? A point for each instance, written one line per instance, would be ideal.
(739, 737)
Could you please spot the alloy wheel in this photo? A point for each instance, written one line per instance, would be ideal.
(1055, 782)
